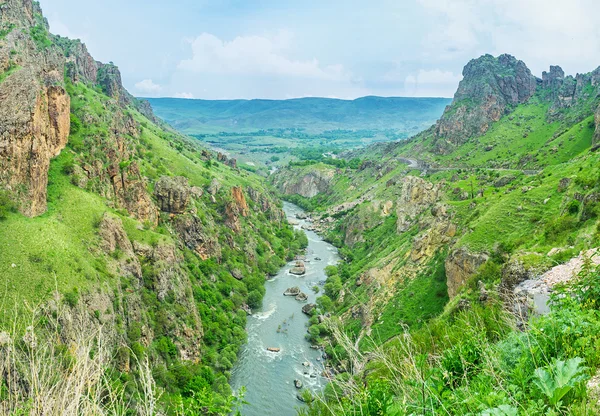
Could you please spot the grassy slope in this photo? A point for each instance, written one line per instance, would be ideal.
(527, 215)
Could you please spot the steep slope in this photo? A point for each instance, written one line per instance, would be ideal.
(437, 231)
(130, 231)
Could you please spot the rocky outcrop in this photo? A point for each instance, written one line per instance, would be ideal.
(307, 185)
(235, 208)
(34, 106)
(109, 79)
(596, 141)
(416, 196)
(554, 78)
(488, 90)
(113, 238)
(80, 65)
(232, 163)
(194, 235)
(436, 236)
(131, 193)
(265, 205)
(172, 194)
(460, 266)
(240, 200)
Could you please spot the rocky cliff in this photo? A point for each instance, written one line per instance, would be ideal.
(308, 184)
(163, 243)
(34, 106)
(490, 88)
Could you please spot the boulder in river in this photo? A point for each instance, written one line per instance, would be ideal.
(308, 308)
(298, 384)
(292, 291)
(273, 349)
(302, 297)
(301, 216)
(299, 269)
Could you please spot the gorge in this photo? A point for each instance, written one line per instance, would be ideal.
(416, 266)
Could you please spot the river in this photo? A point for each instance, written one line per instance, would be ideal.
(269, 377)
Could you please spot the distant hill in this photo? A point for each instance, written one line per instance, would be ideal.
(315, 115)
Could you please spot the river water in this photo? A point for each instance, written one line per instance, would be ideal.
(269, 377)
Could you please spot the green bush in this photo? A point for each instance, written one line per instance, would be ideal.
(6, 205)
(72, 298)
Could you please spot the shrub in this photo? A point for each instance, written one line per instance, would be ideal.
(6, 205)
(72, 298)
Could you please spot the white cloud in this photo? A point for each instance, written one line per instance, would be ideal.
(255, 55)
(541, 32)
(431, 83)
(148, 86)
(187, 95)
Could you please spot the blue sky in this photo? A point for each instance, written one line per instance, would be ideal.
(330, 48)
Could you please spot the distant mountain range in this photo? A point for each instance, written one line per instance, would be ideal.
(315, 115)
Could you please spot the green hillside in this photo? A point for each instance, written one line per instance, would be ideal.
(438, 231)
(129, 254)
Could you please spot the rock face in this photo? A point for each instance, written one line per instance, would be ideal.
(34, 106)
(460, 266)
(114, 237)
(194, 235)
(308, 185)
(554, 78)
(235, 208)
(416, 196)
(596, 141)
(109, 78)
(489, 87)
(272, 211)
(172, 194)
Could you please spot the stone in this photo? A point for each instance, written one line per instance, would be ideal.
(293, 291)
(298, 384)
(302, 297)
(563, 184)
(299, 269)
(416, 196)
(308, 186)
(309, 308)
(460, 266)
(172, 194)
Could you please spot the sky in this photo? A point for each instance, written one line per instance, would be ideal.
(279, 49)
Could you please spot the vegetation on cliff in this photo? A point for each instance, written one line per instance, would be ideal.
(154, 246)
